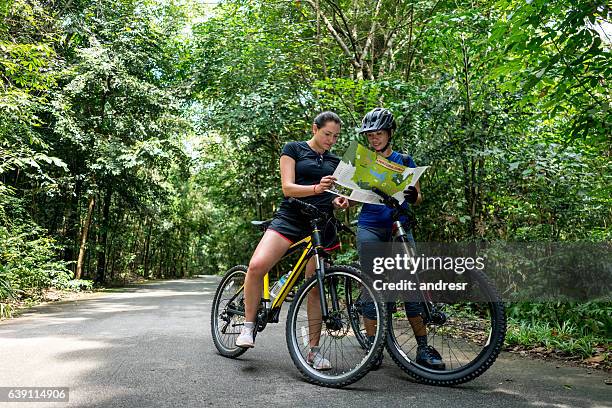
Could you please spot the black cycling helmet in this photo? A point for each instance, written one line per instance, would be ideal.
(378, 119)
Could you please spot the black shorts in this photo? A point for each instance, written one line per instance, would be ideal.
(295, 228)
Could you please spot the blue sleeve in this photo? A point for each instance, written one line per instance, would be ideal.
(407, 161)
(411, 162)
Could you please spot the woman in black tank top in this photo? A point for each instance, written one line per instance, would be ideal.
(306, 172)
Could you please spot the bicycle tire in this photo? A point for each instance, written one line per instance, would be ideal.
(481, 363)
(365, 363)
(225, 347)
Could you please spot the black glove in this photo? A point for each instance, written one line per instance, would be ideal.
(411, 194)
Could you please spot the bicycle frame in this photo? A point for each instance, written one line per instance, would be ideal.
(400, 234)
(313, 248)
(293, 276)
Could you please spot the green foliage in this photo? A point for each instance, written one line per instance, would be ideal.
(563, 337)
(558, 59)
(585, 318)
(28, 259)
(347, 257)
(76, 285)
(567, 327)
(93, 111)
(146, 135)
(6, 290)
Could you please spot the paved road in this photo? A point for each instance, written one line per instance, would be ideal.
(150, 346)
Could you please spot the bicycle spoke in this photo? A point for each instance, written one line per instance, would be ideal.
(225, 324)
(460, 333)
(339, 343)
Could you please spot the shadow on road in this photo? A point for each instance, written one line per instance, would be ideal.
(150, 346)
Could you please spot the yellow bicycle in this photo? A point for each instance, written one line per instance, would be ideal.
(329, 327)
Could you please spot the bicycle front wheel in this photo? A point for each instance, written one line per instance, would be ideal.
(329, 353)
(466, 336)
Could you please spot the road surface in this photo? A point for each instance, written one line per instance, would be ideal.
(150, 346)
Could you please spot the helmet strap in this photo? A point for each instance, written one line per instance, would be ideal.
(390, 132)
(384, 148)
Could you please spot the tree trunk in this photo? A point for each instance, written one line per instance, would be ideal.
(101, 267)
(160, 269)
(75, 238)
(90, 208)
(69, 230)
(146, 251)
(134, 249)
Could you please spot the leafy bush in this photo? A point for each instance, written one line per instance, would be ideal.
(78, 285)
(28, 259)
(569, 327)
(588, 318)
(565, 337)
(6, 290)
(348, 257)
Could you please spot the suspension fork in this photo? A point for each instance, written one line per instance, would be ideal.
(401, 236)
(320, 273)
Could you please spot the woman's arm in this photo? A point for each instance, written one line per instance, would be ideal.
(290, 189)
(413, 194)
(420, 196)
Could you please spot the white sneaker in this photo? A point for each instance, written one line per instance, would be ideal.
(317, 361)
(246, 338)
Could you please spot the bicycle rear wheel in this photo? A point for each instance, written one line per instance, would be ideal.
(337, 338)
(225, 323)
(467, 335)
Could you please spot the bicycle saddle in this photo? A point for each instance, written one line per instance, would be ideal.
(262, 224)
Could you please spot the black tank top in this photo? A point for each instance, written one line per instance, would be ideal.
(310, 167)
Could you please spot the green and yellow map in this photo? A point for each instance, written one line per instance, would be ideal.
(361, 169)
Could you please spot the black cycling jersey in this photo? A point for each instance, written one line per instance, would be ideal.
(310, 167)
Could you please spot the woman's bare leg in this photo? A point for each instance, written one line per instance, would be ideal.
(269, 251)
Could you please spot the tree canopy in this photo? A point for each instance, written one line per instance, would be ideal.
(140, 137)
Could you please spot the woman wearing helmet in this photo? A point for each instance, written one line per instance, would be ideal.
(375, 225)
(306, 169)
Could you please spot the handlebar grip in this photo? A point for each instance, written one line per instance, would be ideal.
(386, 198)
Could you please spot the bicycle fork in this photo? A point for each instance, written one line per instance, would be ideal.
(401, 235)
(320, 273)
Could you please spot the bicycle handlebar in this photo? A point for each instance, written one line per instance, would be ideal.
(316, 213)
(391, 202)
(309, 208)
(386, 198)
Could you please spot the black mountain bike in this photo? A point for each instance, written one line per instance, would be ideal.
(467, 333)
(327, 324)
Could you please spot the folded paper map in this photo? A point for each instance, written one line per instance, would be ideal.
(361, 169)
